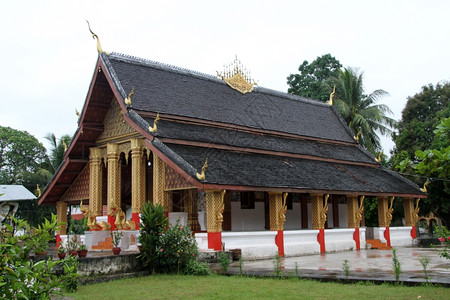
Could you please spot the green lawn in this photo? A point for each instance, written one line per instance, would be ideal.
(223, 287)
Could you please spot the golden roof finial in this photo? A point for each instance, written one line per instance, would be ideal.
(64, 145)
(237, 77)
(378, 159)
(128, 99)
(38, 190)
(202, 176)
(356, 137)
(424, 189)
(154, 128)
(330, 102)
(77, 112)
(94, 36)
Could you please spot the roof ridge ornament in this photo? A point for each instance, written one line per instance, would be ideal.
(424, 188)
(127, 100)
(237, 77)
(154, 128)
(94, 36)
(330, 102)
(202, 176)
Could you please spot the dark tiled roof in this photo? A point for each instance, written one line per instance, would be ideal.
(169, 90)
(232, 137)
(248, 169)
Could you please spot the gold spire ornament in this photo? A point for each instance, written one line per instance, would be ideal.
(356, 137)
(237, 77)
(94, 36)
(153, 128)
(38, 190)
(202, 176)
(128, 99)
(378, 159)
(330, 102)
(424, 189)
(77, 112)
(64, 145)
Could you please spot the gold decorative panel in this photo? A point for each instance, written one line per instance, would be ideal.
(410, 212)
(214, 210)
(114, 178)
(175, 181)
(114, 124)
(277, 210)
(159, 182)
(61, 215)
(385, 211)
(355, 208)
(95, 182)
(137, 175)
(319, 210)
(79, 189)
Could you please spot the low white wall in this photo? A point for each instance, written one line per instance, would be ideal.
(401, 236)
(301, 242)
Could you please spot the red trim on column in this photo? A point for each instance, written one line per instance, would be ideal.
(135, 218)
(111, 221)
(279, 241)
(215, 240)
(413, 232)
(58, 240)
(357, 239)
(387, 236)
(321, 240)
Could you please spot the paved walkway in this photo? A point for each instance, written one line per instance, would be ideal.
(371, 264)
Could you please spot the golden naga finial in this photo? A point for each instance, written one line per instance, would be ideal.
(64, 145)
(94, 36)
(424, 189)
(237, 77)
(330, 102)
(153, 128)
(202, 175)
(77, 112)
(356, 137)
(128, 99)
(38, 190)
(378, 159)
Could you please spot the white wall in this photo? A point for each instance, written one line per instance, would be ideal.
(247, 219)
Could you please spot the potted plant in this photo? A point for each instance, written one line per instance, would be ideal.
(116, 237)
(82, 250)
(61, 252)
(72, 245)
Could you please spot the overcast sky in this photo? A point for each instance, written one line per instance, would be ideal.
(48, 55)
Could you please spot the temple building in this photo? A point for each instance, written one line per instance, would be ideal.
(244, 166)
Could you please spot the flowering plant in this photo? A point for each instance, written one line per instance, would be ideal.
(116, 237)
(444, 237)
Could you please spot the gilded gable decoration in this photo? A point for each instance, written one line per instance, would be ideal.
(201, 176)
(79, 189)
(175, 181)
(128, 99)
(154, 128)
(114, 124)
(237, 77)
(94, 36)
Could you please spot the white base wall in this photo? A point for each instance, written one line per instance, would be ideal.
(401, 236)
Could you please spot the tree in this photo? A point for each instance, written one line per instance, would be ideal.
(361, 113)
(435, 165)
(57, 150)
(21, 155)
(310, 82)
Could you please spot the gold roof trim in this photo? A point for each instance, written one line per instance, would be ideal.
(237, 77)
(94, 36)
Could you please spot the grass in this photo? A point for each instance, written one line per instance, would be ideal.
(239, 287)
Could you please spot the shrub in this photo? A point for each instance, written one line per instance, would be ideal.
(224, 262)
(176, 248)
(20, 277)
(194, 267)
(153, 224)
(444, 237)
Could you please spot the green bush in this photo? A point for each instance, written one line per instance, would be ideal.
(194, 267)
(20, 276)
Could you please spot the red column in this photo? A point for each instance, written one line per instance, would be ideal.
(321, 240)
(413, 232)
(279, 241)
(357, 239)
(215, 241)
(387, 236)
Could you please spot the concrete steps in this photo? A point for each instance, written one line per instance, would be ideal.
(377, 244)
(107, 244)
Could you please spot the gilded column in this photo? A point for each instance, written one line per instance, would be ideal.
(114, 181)
(355, 210)
(277, 213)
(214, 218)
(95, 182)
(137, 179)
(319, 210)
(385, 211)
(411, 210)
(159, 182)
(61, 215)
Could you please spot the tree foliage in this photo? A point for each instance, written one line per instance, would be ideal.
(310, 82)
(360, 111)
(21, 156)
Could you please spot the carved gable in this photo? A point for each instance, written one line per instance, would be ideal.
(115, 125)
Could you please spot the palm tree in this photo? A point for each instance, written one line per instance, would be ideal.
(361, 113)
(57, 150)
